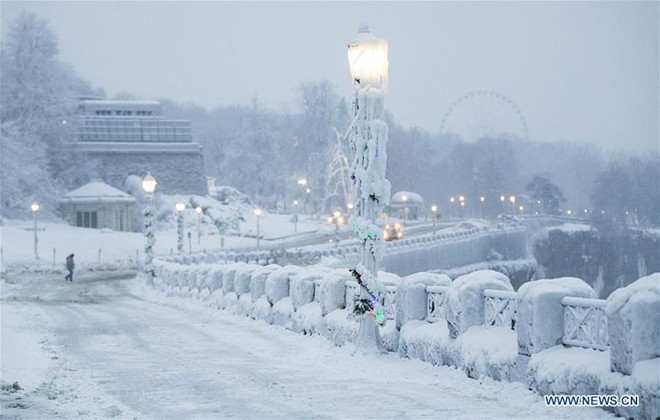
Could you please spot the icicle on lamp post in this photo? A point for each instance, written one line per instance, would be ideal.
(35, 208)
(149, 186)
(180, 207)
(367, 57)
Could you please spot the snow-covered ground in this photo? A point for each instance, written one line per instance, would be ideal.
(17, 239)
(107, 347)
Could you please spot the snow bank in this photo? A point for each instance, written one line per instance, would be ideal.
(424, 341)
(464, 302)
(308, 319)
(411, 296)
(489, 351)
(282, 313)
(338, 329)
(567, 370)
(633, 315)
(540, 314)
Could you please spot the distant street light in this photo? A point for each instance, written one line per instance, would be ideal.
(434, 209)
(257, 212)
(180, 207)
(35, 208)
(149, 185)
(337, 219)
(404, 198)
(295, 216)
(199, 211)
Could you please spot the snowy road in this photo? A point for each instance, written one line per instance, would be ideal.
(143, 355)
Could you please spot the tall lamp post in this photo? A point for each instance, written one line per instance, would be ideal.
(257, 212)
(198, 210)
(180, 207)
(149, 185)
(367, 56)
(404, 198)
(35, 208)
(434, 209)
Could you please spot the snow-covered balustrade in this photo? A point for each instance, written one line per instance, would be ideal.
(540, 314)
(465, 300)
(585, 323)
(352, 293)
(389, 302)
(500, 308)
(633, 321)
(435, 303)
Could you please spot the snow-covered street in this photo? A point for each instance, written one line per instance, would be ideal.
(111, 348)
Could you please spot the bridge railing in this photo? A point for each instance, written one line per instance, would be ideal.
(500, 308)
(435, 303)
(585, 323)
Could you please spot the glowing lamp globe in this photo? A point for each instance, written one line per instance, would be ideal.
(35, 207)
(367, 57)
(434, 208)
(198, 210)
(180, 207)
(149, 183)
(257, 212)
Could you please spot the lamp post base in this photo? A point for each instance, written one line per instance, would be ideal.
(368, 338)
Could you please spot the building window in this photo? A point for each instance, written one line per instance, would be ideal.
(87, 219)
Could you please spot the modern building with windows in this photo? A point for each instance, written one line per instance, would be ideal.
(126, 138)
(99, 205)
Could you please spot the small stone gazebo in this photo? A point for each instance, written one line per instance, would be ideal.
(407, 205)
(98, 205)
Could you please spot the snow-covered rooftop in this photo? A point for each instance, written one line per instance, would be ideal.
(96, 191)
(411, 197)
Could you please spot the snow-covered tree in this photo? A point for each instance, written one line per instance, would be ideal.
(337, 176)
(37, 96)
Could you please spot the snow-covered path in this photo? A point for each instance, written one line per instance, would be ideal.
(170, 358)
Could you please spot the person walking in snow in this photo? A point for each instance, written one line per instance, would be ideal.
(69, 266)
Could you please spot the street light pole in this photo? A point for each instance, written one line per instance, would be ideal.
(367, 56)
(180, 207)
(35, 208)
(257, 212)
(149, 185)
(198, 210)
(434, 209)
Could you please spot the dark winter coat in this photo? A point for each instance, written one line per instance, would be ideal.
(69, 262)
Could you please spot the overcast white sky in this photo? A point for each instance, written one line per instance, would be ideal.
(578, 71)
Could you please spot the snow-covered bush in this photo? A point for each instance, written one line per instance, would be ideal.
(633, 320)
(540, 314)
(464, 301)
(411, 296)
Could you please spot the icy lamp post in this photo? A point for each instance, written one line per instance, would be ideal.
(434, 209)
(35, 208)
(257, 212)
(405, 208)
(149, 185)
(367, 56)
(180, 207)
(199, 211)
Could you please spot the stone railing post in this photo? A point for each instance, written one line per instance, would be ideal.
(464, 303)
(540, 316)
(633, 320)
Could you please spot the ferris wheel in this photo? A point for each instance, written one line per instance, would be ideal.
(484, 114)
